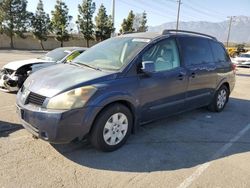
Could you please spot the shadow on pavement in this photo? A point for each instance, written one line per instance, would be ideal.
(7, 128)
(182, 141)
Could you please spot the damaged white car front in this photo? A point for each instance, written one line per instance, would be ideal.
(12, 80)
(13, 74)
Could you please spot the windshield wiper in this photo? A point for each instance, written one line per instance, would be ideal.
(85, 65)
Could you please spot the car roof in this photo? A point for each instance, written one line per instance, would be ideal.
(73, 48)
(148, 35)
(179, 33)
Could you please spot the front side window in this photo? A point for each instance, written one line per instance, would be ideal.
(112, 54)
(196, 51)
(164, 55)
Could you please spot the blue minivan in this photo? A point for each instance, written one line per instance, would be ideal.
(122, 82)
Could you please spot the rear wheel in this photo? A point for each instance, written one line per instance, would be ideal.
(220, 99)
(111, 128)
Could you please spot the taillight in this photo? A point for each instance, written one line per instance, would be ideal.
(234, 68)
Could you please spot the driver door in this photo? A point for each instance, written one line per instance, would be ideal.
(162, 93)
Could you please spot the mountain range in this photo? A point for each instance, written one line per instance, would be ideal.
(240, 29)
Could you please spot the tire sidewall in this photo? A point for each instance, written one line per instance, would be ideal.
(97, 133)
(216, 98)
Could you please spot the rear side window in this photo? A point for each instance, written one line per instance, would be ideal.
(196, 51)
(219, 52)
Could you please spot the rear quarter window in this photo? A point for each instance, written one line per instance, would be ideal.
(196, 51)
(219, 52)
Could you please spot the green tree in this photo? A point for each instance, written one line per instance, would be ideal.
(40, 24)
(85, 19)
(143, 23)
(60, 21)
(127, 24)
(14, 17)
(104, 24)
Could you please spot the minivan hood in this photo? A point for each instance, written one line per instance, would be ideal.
(55, 79)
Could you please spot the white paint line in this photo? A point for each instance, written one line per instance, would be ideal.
(188, 181)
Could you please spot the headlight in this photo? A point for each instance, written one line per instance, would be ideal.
(72, 99)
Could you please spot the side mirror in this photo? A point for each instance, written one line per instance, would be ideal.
(148, 67)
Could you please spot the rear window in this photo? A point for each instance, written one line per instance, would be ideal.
(219, 52)
(196, 51)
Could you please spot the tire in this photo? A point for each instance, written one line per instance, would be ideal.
(108, 133)
(220, 99)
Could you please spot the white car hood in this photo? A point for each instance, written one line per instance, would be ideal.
(14, 65)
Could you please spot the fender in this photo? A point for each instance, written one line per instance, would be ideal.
(224, 80)
(111, 97)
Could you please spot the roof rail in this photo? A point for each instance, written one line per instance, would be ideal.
(169, 31)
(128, 32)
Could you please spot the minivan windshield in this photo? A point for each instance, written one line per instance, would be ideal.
(112, 54)
(55, 55)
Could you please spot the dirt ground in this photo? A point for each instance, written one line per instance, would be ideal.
(196, 149)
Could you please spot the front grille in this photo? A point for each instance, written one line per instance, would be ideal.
(36, 99)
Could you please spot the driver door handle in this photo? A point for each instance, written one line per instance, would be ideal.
(181, 76)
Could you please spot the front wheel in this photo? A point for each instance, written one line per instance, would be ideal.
(220, 99)
(111, 128)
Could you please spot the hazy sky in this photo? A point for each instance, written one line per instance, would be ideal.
(161, 11)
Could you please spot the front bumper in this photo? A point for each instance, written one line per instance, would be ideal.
(57, 126)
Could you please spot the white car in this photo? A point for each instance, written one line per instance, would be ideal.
(13, 74)
(243, 60)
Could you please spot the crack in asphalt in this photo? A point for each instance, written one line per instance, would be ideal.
(75, 177)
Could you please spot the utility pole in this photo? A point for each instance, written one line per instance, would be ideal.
(178, 14)
(113, 16)
(229, 28)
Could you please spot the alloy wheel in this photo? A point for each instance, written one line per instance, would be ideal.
(222, 98)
